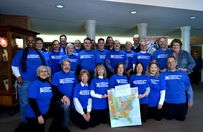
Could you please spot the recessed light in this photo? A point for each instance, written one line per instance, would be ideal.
(193, 17)
(133, 12)
(59, 6)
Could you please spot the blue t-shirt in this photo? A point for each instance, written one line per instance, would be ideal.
(145, 58)
(117, 80)
(42, 92)
(82, 93)
(100, 86)
(88, 60)
(55, 58)
(161, 57)
(157, 84)
(65, 82)
(102, 56)
(115, 57)
(32, 63)
(176, 83)
(142, 82)
(74, 61)
(130, 55)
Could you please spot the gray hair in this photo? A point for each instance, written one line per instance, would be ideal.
(65, 59)
(41, 68)
(69, 44)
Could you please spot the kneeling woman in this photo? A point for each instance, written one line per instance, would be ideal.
(39, 108)
(157, 92)
(83, 102)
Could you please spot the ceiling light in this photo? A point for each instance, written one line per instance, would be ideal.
(133, 12)
(193, 17)
(59, 6)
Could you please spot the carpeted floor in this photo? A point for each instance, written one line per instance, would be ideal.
(193, 122)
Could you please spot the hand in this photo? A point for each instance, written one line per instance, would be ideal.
(104, 96)
(163, 70)
(160, 106)
(40, 119)
(141, 96)
(20, 80)
(183, 69)
(190, 104)
(128, 72)
(85, 117)
(65, 100)
(88, 116)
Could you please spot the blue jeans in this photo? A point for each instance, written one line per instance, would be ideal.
(66, 114)
(23, 99)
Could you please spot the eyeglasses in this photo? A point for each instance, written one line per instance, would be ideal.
(176, 45)
(43, 71)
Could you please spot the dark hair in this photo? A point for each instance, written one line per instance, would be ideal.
(38, 38)
(88, 39)
(135, 71)
(116, 68)
(100, 39)
(176, 41)
(62, 35)
(162, 37)
(55, 41)
(108, 38)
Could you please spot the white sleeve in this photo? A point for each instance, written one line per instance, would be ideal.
(93, 94)
(133, 67)
(89, 105)
(162, 96)
(78, 106)
(16, 71)
(147, 91)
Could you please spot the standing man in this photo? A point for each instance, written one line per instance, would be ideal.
(63, 41)
(136, 44)
(196, 75)
(77, 47)
(130, 55)
(109, 43)
(24, 66)
(160, 55)
(115, 56)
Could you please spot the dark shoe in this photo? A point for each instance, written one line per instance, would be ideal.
(21, 128)
(65, 129)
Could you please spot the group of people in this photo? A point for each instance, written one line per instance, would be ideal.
(70, 82)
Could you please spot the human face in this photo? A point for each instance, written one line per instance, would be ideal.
(110, 42)
(70, 50)
(143, 46)
(101, 45)
(77, 45)
(162, 43)
(120, 69)
(176, 47)
(171, 63)
(136, 39)
(84, 78)
(56, 46)
(100, 71)
(116, 45)
(63, 40)
(128, 45)
(39, 45)
(65, 66)
(139, 68)
(153, 69)
(30, 42)
(87, 44)
(93, 45)
(43, 73)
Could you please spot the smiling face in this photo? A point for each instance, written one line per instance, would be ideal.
(30, 42)
(70, 50)
(171, 63)
(176, 47)
(153, 69)
(162, 43)
(116, 45)
(84, 78)
(56, 45)
(120, 69)
(139, 68)
(42, 72)
(100, 71)
(65, 66)
(39, 45)
(87, 44)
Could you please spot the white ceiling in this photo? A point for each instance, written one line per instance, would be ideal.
(112, 18)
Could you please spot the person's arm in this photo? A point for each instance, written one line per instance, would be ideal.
(126, 64)
(56, 92)
(78, 106)
(89, 105)
(108, 65)
(191, 62)
(162, 97)
(34, 106)
(93, 94)
(146, 93)
(16, 71)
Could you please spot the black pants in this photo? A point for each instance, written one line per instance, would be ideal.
(154, 112)
(54, 112)
(196, 77)
(175, 111)
(143, 111)
(81, 122)
(100, 116)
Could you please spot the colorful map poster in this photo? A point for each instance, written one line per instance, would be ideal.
(124, 110)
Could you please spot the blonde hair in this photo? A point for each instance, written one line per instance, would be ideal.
(148, 68)
(96, 71)
(82, 72)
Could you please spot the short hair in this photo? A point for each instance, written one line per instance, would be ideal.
(162, 37)
(39, 39)
(82, 72)
(96, 71)
(65, 59)
(176, 41)
(148, 68)
(100, 39)
(62, 35)
(55, 41)
(135, 71)
(88, 39)
(116, 68)
(77, 40)
(41, 68)
(69, 44)
(30, 36)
